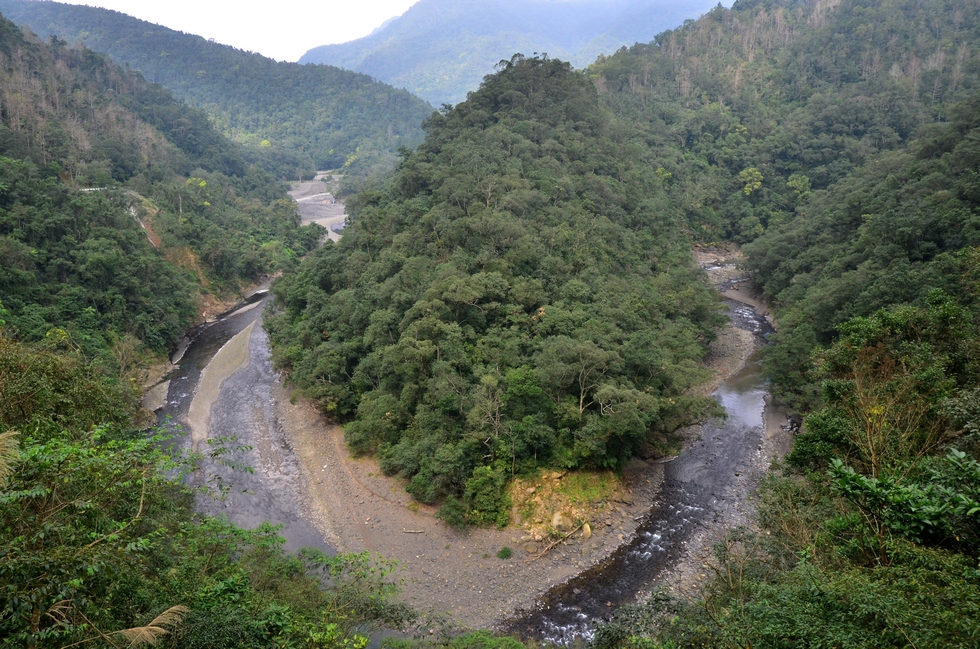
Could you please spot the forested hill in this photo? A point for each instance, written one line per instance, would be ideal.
(119, 206)
(290, 117)
(441, 49)
(518, 296)
(754, 107)
(770, 115)
(840, 142)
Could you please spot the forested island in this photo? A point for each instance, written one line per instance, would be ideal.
(517, 295)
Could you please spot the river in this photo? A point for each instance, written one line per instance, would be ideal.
(225, 388)
(703, 486)
(242, 413)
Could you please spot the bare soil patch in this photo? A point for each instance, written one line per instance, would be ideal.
(317, 204)
(452, 575)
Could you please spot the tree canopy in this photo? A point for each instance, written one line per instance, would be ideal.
(119, 204)
(515, 297)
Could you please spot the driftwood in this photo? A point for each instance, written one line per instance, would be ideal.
(554, 543)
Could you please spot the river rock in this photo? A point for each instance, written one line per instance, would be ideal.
(625, 498)
(586, 531)
(156, 397)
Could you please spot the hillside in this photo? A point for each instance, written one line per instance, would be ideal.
(442, 49)
(514, 298)
(119, 206)
(838, 141)
(290, 118)
(753, 108)
(770, 116)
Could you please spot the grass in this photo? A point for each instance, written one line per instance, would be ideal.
(584, 487)
(505, 553)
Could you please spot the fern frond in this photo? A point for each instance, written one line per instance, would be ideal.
(151, 633)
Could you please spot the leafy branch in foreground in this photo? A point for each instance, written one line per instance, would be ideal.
(98, 534)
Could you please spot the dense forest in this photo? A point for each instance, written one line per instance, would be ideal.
(517, 297)
(100, 546)
(751, 109)
(518, 294)
(290, 118)
(118, 205)
(838, 140)
(441, 49)
(869, 536)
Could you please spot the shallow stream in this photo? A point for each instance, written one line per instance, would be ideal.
(245, 433)
(702, 487)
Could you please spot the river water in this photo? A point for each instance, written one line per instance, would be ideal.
(702, 487)
(244, 417)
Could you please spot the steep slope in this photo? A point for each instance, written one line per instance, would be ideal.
(118, 204)
(752, 108)
(441, 49)
(840, 141)
(768, 115)
(290, 117)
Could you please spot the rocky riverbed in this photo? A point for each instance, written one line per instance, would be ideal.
(304, 479)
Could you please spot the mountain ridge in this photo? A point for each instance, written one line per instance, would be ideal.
(290, 117)
(442, 49)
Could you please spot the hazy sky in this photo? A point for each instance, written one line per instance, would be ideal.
(283, 29)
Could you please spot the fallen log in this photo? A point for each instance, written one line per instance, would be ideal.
(561, 540)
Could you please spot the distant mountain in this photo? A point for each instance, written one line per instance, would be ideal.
(290, 117)
(441, 49)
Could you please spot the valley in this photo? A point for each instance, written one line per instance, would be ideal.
(678, 349)
(304, 479)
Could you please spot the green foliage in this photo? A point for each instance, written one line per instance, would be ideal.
(886, 385)
(453, 513)
(796, 95)
(871, 534)
(470, 640)
(504, 553)
(513, 298)
(939, 504)
(117, 206)
(97, 535)
(309, 117)
(923, 597)
(863, 236)
(486, 497)
(45, 390)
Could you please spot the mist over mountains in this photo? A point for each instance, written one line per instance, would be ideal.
(441, 49)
